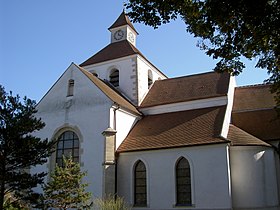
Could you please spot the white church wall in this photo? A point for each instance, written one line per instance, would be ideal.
(86, 113)
(209, 176)
(230, 97)
(254, 181)
(142, 69)
(122, 121)
(127, 74)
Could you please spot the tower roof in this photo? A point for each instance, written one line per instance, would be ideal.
(121, 21)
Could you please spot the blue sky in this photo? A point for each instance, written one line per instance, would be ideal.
(40, 38)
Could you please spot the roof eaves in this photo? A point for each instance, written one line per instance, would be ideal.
(130, 107)
(174, 147)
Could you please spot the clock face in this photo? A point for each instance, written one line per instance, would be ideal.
(118, 35)
(131, 36)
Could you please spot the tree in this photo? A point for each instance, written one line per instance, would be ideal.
(19, 149)
(228, 30)
(65, 189)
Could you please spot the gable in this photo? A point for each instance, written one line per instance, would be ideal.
(84, 92)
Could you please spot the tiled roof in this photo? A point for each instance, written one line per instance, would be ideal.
(261, 123)
(121, 21)
(112, 51)
(239, 137)
(176, 129)
(199, 86)
(252, 98)
(108, 91)
(253, 112)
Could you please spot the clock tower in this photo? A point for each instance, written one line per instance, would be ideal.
(122, 29)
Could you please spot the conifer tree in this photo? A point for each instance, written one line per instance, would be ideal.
(65, 189)
(19, 149)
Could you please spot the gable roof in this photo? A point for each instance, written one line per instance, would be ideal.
(109, 92)
(239, 137)
(121, 21)
(253, 112)
(199, 86)
(112, 51)
(176, 129)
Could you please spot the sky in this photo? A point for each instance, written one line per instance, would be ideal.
(39, 39)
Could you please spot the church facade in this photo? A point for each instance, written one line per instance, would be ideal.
(193, 142)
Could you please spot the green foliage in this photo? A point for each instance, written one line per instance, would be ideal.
(111, 203)
(19, 149)
(228, 30)
(65, 189)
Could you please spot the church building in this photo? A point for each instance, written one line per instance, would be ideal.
(192, 142)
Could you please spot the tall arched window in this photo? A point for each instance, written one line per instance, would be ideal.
(67, 145)
(114, 77)
(150, 78)
(140, 184)
(183, 182)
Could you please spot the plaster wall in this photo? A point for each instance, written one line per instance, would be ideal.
(127, 74)
(209, 176)
(183, 106)
(122, 121)
(86, 113)
(143, 68)
(230, 97)
(254, 181)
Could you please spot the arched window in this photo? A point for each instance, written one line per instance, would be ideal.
(70, 90)
(150, 78)
(183, 182)
(67, 145)
(114, 77)
(140, 184)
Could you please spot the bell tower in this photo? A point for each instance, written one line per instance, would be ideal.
(122, 29)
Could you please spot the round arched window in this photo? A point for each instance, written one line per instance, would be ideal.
(67, 146)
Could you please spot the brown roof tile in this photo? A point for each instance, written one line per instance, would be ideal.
(253, 97)
(121, 21)
(176, 129)
(239, 137)
(108, 91)
(112, 51)
(253, 111)
(187, 88)
(261, 123)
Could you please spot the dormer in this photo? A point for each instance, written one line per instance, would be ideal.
(122, 29)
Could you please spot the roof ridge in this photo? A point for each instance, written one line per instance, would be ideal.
(191, 75)
(254, 85)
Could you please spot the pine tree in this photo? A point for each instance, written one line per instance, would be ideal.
(19, 149)
(65, 189)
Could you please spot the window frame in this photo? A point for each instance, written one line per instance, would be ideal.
(71, 145)
(188, 179)
(136, 194)
(114, 77)
(70, 90)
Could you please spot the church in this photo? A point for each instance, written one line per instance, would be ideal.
(191, 142)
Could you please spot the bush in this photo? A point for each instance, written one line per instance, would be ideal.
(111, 203)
